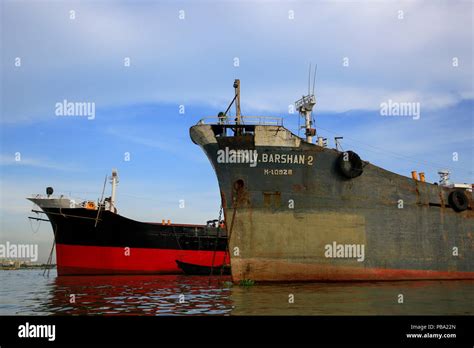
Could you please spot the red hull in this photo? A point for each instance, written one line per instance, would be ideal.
(83, 260)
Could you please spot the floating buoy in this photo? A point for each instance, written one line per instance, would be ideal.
(458, 200)
(349, 164)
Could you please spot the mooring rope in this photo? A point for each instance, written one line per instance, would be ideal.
(101, 202)
(177, 239)
(50, 258)
(230, 233)
(68, 215)
(215, 243)
(35, 230)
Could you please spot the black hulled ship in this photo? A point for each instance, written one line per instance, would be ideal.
(92, 238)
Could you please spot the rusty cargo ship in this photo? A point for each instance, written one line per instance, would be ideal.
(297, 210)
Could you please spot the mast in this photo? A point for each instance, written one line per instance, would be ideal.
(114, 181)
(237, 101)
(305, 107)
(444, 177)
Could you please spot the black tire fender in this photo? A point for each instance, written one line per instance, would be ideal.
(350, 165)
(458, 200)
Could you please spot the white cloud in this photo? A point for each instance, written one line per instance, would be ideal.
(191, 61)
(36, 163)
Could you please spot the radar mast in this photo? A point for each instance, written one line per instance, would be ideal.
(305, 107)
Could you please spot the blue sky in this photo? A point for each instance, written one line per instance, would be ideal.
(396, 50)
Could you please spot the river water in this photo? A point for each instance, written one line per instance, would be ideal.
(28, 292)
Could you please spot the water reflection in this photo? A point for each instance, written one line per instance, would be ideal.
(361, 298)
(27, 292)
(139, 295)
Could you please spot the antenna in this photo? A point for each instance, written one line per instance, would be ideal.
(309, 78)
(314, 77)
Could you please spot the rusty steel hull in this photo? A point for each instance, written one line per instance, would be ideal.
(282, 216)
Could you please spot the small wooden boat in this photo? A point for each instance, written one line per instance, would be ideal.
(193, 269)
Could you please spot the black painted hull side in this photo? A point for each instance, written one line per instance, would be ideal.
(77, 226)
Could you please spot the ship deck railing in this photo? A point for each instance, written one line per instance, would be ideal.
(244, 120)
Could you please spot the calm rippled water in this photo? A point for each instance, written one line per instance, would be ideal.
(28, 292)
